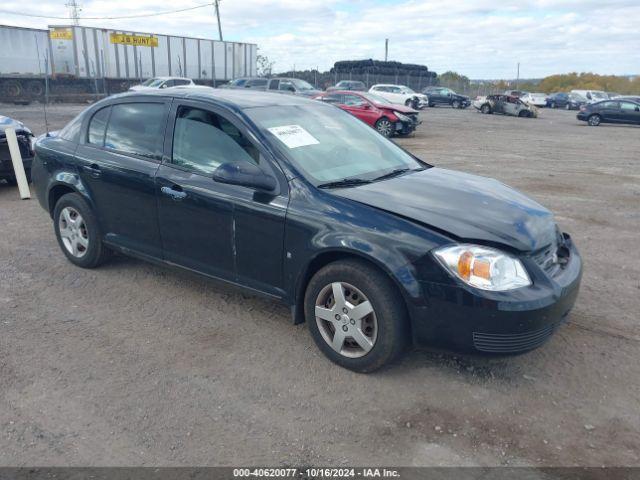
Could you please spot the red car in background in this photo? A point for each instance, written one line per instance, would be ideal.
(386, 117)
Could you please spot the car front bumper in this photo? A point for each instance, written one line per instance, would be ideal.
(464, 318)
(582, 116)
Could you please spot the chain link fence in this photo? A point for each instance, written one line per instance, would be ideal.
(322, 80)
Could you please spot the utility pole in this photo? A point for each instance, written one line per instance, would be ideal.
(386, 49)
(518, 76)
(217, 7)
(74, 11)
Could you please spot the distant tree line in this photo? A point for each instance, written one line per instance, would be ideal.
(572, 81)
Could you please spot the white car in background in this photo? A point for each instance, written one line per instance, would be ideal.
(536, 99)
(592, 95)
(162, 82)
(400, 95)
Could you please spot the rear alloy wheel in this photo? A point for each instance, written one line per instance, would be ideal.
(78, 233)
(355, 315)
(455, 104)
(485, 108)
(594, 120)
(553, 104)
(384, 127)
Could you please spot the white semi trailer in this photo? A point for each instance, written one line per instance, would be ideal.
(78, 59)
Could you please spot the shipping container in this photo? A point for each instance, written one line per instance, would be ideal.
(97, 60)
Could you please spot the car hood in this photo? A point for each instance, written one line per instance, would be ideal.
(6, 122)
(466, 206)
(395, 107)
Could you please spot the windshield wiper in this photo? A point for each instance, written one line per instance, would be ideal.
(345, 182)
(395, 173)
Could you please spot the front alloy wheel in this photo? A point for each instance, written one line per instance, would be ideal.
(594, 120)
(384, 127)
(356, 315)
(346, 320)
(455, 104)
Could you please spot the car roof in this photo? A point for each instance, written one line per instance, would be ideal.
(233, 99)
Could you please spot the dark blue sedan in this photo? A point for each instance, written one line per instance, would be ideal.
(299, 201)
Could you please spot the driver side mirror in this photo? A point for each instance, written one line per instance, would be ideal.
(245, 174)
(164, 85)
(366, 106)
(637, 109)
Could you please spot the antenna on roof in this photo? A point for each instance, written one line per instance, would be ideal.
(46, 84)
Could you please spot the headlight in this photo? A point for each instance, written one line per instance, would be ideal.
(402, 117)
(484, 268)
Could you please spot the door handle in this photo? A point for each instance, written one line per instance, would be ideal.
(93, 170)
(174, 192)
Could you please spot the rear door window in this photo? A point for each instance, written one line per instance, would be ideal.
(274, 84)
(136, 128)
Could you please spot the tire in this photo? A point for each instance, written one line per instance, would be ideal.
(594, 120)
(455, 104)
(384, 126)
(93, 252)
(35, 89)
(407, 102)
(384, 330)
(553, 104)
(486, 108)
(567, 107)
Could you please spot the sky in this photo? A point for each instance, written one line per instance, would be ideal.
(482, 39)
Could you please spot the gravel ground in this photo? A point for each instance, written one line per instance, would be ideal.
(132, 364)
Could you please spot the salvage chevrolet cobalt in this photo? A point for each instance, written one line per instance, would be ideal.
(300, 201)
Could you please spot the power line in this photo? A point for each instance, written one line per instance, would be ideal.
(9, 12)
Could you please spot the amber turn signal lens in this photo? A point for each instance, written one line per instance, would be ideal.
(464, 265)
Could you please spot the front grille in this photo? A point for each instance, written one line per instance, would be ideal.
(552, 258)
(547, 259)
(512, 343)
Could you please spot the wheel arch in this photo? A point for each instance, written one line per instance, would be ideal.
(62, 184)
(325, 257)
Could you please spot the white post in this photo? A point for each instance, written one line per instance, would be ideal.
(18, 167)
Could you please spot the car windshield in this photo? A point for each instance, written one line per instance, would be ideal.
(599, 95)
(152, 82)
(372, 97)
(406, 90)
(239, 82)
(327, 144)
(301, 84)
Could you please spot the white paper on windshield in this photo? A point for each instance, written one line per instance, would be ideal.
(294, 136)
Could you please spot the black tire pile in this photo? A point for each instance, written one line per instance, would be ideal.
(360, 67)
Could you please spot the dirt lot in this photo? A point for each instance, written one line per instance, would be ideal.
(132, 364)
